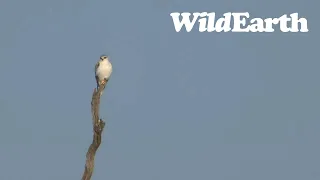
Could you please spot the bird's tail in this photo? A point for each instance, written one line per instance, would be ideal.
(103, 86)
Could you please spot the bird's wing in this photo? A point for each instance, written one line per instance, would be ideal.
(96, 66)
(97, 80)
(95, 71)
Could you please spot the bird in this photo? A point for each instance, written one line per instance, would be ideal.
(103, 71)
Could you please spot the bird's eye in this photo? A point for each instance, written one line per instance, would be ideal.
(103, 57)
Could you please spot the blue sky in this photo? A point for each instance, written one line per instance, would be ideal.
(182, 105)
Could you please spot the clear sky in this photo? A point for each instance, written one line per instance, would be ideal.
(179, 106)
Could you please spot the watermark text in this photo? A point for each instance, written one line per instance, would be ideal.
(207, 22)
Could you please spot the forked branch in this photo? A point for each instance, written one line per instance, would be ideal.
(98, 126)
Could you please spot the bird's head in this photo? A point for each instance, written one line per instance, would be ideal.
(103, 57)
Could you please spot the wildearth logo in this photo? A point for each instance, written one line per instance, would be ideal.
(208, 22)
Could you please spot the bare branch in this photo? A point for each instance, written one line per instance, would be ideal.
(98, 126)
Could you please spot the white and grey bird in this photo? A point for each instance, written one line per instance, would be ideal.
(103, 70)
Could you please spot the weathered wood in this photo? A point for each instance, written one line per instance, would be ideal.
(98, 126)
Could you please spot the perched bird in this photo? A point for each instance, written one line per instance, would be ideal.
(103, 70)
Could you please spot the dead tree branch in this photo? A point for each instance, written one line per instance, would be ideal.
(98, 126)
